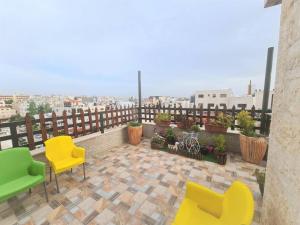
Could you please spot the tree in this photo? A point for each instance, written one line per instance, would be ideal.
(32, 109)
(8, 102)
(44, 108)
(16, 118)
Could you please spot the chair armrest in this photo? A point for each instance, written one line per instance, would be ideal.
(78, 152)
(37, 168)
(206, 199)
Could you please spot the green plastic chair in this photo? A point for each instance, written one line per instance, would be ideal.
(19, 172)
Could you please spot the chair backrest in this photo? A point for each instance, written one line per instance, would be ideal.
(238, 205)
(59, 148)
(14, 163)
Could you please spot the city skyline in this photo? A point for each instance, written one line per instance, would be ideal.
(179, 49)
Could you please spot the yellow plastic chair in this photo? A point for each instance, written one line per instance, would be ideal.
(201, 206)
(63, 155)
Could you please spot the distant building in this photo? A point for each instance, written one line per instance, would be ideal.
(6, 113)
(213, 98)
(226, 97)
(15, 98)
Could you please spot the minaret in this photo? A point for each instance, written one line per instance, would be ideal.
(250, 88)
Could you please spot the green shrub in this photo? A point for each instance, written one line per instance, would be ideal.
(219, 142)
(134, 124)
(162, 117)
(260, 177)
(195, 128)
(224, 120)
(246, 123)
(170, 136)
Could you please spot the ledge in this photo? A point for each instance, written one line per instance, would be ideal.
(77, 140)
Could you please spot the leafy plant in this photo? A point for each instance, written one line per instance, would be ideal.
(134, 124)
(246, 123)
(162, 117)
(170, 136)
(16, 118)
(219, 142)
(195, 128)
(260, 177)
(184, 121)
(224, 120)
(157, 139)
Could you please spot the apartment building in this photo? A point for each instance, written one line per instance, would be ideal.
(226, 97)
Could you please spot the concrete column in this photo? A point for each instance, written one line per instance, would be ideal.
(281, 204)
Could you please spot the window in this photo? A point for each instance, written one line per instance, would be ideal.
(201, 96)
(214, 95)
(223, 95)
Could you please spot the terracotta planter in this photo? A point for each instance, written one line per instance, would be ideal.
(253, 149)
(135, 134)
(161, 127)
(213, 128)
(221, 157)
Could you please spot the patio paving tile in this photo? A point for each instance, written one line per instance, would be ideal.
(128, 185)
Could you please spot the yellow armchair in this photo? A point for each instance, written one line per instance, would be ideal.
(63, 155)
(201, 206)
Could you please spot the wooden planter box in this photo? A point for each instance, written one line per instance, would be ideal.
(156, 146)
(135, 134)
(221, 157)
(253, 148)
(213, 128)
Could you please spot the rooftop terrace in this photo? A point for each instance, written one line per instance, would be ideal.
(125, 185)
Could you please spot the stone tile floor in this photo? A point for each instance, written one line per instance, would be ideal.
(129, 185)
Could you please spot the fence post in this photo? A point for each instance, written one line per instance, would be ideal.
(101, 122)
(233, 117)
(216, 111)
(14, 134)
(29, 130)
(121, 115)
(74, 117)
(90, 120)
(149, 112)
(97, 119)
(201, 115)
(112, 116)
(117, 116)
(82, 121)
(54, 124)
(106, 118)
(194, 113)
(253, 111)
(208, 112)
(43, 126)
(65, 119)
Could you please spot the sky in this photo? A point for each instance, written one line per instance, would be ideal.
(96, 47)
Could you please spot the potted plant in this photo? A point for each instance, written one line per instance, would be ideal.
(253, 146)
(220, 124)
(135, 130)
(203, 146)
(170, 136)
(220, 152)
(260, 177)
(195, 128)
(157, 141)
(162, 121)
(183, 122)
